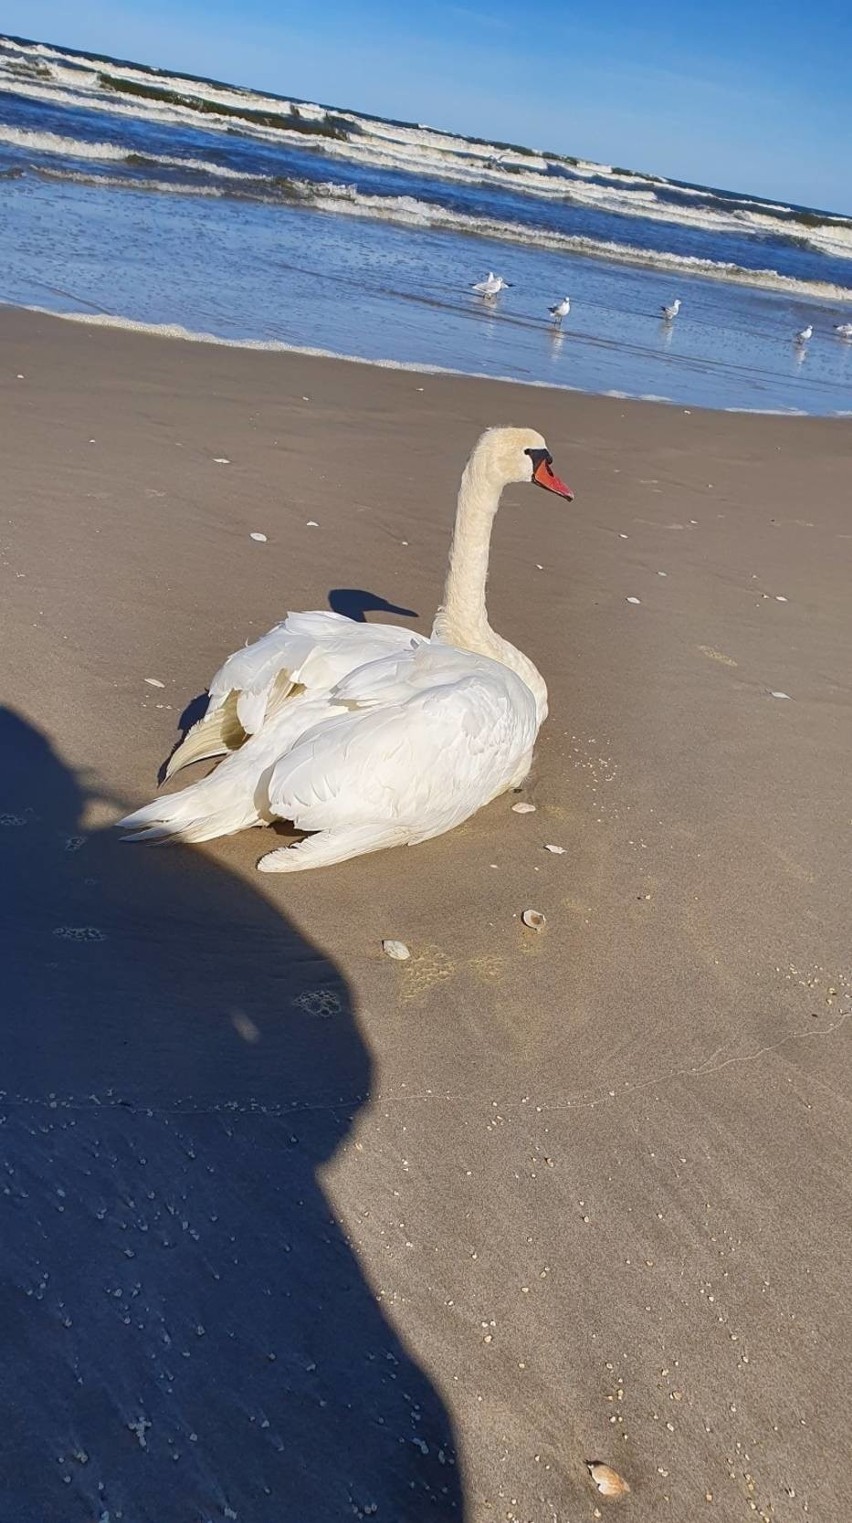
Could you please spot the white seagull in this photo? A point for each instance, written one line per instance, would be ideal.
(368, 735)
(561, 309)
(670, 313)
(844, 329)
(806, 333)
(492, 286)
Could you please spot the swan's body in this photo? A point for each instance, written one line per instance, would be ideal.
(670, 313)
(491, 286)
(805, 335)
(368, 735)
(561, 309)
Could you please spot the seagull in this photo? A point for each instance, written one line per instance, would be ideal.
(670, 313)
(806, 333)
(561, 309)
(844, 329)
(492, 286)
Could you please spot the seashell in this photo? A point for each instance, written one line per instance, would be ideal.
(261, 538)
(558, 851)
(779, 695)
(220, 460)
(523, 808)
(154, 682)
(397, 950)
(534, 920)
(608, 1481)
(634, 600)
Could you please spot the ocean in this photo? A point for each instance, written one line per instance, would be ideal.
(138, 196)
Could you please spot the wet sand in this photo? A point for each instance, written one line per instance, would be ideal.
(526, 1200)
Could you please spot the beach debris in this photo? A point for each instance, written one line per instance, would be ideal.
(624, 536)
(634, 600)
(397, 950)
(534, 920)
(154, 682)
(220, 460)
(607, 1480)
(779, 599)
(558, 851)
(306, 399)
(19, 377)
(774, 694)
(662, 573)
(261, 538)
(523, 808)
(93, 441)
(311, 524)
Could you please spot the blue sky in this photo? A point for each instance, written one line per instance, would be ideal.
(753, 96)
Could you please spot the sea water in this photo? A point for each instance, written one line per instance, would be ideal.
(131, 195)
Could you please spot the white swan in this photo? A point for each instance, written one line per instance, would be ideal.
(368, 735)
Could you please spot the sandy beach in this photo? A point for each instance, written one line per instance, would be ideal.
(292, 1232)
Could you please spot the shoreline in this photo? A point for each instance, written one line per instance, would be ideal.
(177, 333)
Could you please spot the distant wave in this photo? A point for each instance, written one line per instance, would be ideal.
(81, 148)
(408, 211)
(418, 150)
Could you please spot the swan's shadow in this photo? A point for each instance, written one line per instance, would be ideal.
(187, 1332)
(353, 602)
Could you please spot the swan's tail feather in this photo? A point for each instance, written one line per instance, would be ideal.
(207, 809)
(212, 735)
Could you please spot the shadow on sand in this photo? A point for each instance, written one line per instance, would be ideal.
(186, 1333)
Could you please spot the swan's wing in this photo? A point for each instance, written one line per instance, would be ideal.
(311, 651)
(423, 763)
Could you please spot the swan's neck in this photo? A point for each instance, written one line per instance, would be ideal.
(462, 619)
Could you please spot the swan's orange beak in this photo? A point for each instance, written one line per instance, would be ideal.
(543, 476)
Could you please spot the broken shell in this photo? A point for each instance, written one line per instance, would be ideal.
(523, 808)
(608, 1481)
(534, 920)
(396, 949)
(558, 851)
(261, 538)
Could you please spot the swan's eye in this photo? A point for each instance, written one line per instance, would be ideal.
(539, 457)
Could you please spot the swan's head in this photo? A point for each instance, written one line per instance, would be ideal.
(518, 454)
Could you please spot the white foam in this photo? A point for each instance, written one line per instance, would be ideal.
(80, 148)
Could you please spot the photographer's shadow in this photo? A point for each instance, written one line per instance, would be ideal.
(187, 1334)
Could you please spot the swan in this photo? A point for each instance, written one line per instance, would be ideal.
(370, 735)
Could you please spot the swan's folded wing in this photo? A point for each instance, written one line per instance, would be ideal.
(423, 764)
(397, 677)
(307, 650)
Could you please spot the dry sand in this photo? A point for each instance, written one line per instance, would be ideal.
(291, 1231)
